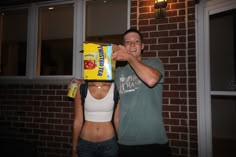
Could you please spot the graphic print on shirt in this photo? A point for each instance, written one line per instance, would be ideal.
(129, 84)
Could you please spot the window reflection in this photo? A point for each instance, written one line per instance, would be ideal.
(103, 24)
(55, 40)
(222, 52)
(13, 30)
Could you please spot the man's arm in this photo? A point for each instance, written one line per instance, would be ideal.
(147, 74)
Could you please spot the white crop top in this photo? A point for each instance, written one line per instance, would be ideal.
(99, 110)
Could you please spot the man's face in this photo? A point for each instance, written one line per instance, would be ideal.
(133, 44)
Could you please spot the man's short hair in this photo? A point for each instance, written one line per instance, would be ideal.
(133, 30)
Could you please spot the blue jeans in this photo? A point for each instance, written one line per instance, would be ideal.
(108, 148)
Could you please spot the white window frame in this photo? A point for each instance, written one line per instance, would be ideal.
(32, 43)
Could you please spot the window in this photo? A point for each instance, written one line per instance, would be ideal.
(13, 42)
(106, 21)
(55, 40)
(43, 39)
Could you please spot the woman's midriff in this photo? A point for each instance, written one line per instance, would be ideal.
(97, 131)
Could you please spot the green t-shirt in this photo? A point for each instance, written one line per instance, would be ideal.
(141, 107)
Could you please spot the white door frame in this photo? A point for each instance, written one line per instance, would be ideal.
(204, 9)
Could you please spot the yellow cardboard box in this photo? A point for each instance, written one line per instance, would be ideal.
(98, 63)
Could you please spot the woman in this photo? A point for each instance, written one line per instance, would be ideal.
(93, 131)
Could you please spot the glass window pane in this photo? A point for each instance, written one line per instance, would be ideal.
(13, 44)
(222, 51)
(223, 125)
(55, 40)
(103, 24)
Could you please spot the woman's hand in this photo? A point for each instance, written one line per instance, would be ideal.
(75, 80)
(74, 153)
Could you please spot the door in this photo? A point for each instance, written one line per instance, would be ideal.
(216, 74)
(223, 78)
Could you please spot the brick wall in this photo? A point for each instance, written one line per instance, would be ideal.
(41, 115)
(172, 39)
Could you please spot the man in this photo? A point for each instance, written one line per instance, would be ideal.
(139, 120)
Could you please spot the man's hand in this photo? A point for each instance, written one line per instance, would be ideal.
(121, 54)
